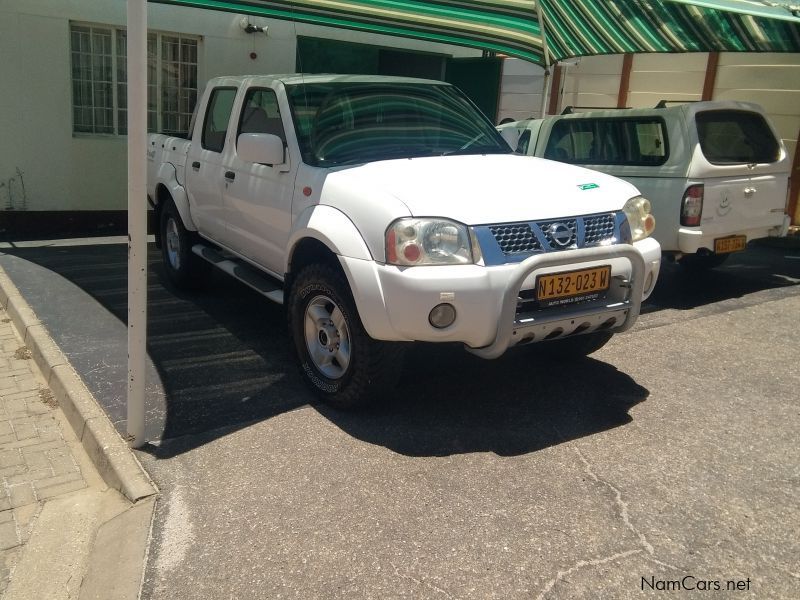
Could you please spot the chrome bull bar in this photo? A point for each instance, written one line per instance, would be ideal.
(565, 258)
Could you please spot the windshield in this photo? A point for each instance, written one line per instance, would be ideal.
(349, 123)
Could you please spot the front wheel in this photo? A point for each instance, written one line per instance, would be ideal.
(344, 366)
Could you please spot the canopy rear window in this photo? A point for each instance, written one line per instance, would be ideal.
(609, 141)
(736, 137)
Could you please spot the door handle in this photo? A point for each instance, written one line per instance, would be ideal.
(196, 165)
(230, 175)
(749, 191)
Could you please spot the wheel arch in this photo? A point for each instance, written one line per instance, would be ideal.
(327, 236)
(168, 188)
(331, 228)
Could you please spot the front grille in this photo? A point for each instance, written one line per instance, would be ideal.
(515, 238)
(513, 242)
(598, 229)
(550, 230)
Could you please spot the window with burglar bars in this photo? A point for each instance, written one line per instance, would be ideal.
(99, 81)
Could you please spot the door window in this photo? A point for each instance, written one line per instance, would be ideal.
(218, 114)
(260, 114)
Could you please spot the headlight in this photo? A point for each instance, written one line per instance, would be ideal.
(642, 223)
(429, 242)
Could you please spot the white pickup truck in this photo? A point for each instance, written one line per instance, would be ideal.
(384, 210)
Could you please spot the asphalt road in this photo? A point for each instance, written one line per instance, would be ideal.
(669, 456)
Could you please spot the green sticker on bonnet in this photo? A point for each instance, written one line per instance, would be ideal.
(587, 186)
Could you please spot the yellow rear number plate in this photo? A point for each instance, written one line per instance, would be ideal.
(572, 286)
(730, 244)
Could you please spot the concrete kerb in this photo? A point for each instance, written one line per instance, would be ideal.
(112, 457)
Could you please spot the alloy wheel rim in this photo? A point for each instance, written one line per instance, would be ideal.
(173, 244)
(327, 337)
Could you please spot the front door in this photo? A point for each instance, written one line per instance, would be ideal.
(258, 198)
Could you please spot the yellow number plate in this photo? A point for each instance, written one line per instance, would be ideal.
(572, 286)
(730, 244)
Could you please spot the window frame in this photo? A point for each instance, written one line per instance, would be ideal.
(118, 104)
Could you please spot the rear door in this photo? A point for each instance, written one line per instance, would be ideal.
(744, 169)
(204, 169)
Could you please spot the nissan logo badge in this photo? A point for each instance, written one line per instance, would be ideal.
(561, 234)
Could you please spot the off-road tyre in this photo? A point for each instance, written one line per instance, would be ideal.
(373, 366)
(184, 269)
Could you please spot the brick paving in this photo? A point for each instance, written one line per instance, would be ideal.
(35, 461)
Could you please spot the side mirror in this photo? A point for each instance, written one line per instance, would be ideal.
(261, 148)
(511, 136)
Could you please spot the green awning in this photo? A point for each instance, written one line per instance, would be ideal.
(573, 28)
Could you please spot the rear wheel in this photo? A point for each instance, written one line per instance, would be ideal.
(185, 269)
(344, 366)
(702, 262)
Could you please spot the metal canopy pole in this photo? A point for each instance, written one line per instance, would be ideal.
(546, 55)
(137, 217)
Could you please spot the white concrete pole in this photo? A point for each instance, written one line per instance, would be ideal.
(546, 56)
(137, 217)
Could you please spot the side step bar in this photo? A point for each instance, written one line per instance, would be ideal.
(265, 285)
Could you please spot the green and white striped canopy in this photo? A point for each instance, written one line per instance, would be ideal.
(572, 27)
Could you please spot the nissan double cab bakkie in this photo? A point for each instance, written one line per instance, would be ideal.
(387, 210)
(715, 172)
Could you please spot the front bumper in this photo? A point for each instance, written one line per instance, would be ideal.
(394, 302)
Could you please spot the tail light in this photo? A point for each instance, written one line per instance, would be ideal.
(692, 206)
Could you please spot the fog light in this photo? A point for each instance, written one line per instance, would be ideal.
(442, 315)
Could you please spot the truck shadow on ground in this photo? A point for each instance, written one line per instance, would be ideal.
(223, 357)
(450, 402)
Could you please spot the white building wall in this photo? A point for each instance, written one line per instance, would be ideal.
(520, 90)
(593, 81)
(60, 170)
(656, 77)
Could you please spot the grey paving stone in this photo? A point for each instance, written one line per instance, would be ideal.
(30, 476)
(22, 495)
(10, 458)
(62, 463)
(54, 480)
(8, 560)
(36, 459)
(8, 535)
(57, 490)
(13, 470)
(24, 430)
